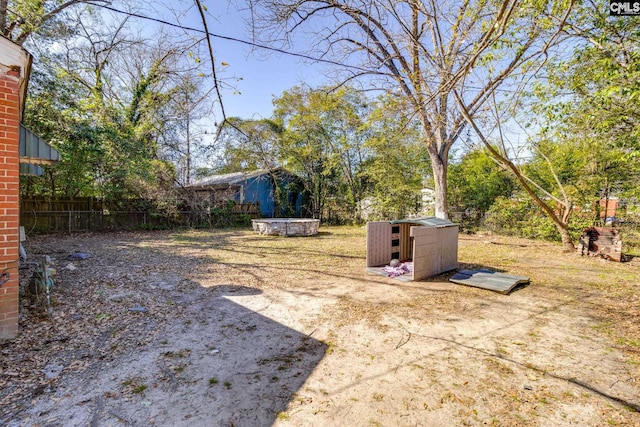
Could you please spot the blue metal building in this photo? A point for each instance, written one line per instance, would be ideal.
(258, 187)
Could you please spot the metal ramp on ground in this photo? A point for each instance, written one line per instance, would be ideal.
(490, 280)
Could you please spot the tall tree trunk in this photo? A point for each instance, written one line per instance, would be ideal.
(567, 241)
(438, 149)
(439, 169)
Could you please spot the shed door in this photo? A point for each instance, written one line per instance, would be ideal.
(378, 243)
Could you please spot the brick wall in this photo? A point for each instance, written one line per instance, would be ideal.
(9, 203)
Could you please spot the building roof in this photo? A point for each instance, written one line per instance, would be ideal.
(12, 56)
(35, 151)
(227, 178)
(236, 178)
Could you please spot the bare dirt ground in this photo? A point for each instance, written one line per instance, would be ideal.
(228, 328)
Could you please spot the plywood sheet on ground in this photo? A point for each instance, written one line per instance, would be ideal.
(487, 279)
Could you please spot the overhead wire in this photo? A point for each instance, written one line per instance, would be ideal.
(259, 45)
(233, 39)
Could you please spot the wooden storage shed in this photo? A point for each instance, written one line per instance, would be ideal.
(430, 244)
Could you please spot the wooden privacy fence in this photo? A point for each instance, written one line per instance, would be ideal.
(42, 216)
(70, 221)
(44, 204)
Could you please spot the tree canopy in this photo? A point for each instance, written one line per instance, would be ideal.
(437, 56)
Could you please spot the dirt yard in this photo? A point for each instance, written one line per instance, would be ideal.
(228, 328)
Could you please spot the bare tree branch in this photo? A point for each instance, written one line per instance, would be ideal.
(561, 222)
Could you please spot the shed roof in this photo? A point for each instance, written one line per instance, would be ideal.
(35, 150)
(429, 221)
(29, 169)
(237, 178)
(227, 178)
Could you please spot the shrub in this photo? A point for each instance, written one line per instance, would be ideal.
(522, 217)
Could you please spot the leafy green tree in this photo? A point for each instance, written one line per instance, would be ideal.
(347, 148)
(248, 145)
(19, 19)
(587, 129)
(519, 216)
(398, 162)
(324, 142)
(107, 101)
(475, 182)
(603, 78)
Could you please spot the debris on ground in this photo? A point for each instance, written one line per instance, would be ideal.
(490, 280)
(78, 256)
(604, 242)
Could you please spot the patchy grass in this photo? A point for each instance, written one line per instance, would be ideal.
(607, 290)
(461, 354)
(134, 386)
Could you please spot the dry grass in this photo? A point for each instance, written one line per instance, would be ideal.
(432, 348)
(607, 290)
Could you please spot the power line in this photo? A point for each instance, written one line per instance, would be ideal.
(233, 39)
(249, 43)
(258, 45)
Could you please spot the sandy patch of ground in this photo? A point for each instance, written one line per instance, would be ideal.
(245, 330)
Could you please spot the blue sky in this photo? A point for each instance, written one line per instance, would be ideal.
(257, 76)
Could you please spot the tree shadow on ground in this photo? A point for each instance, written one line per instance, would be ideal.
(241, 368)
(217, 364)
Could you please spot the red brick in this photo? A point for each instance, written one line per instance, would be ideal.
(9, 303)
(11, 315)
(11, 111)
(12, 97)
(7, 296)
(9, 201)
(7, 258)
(10, 289)
(9, 307)
(9, 121)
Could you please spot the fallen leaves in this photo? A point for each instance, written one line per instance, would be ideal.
(102, 305)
